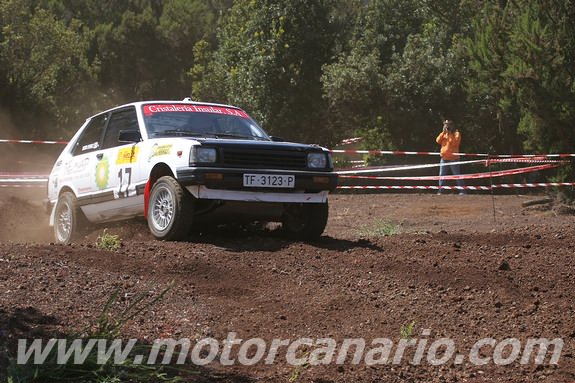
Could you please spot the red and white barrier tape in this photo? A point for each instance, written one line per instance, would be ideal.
(413, 187)
(497, 186)
(361, 164)
(524, 161)
(22, 186)
(346, 151)
(404, 167)
(349, 151)
(22, 175)
(519, 156)
(392, 152)
(405, 153)
(533, 185)
(33, 142)
(500, 173)
(22, 180)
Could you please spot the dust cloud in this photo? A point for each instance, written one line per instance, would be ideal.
(23, 218)
(22, 215)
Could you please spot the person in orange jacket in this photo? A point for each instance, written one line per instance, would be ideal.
(449, 139)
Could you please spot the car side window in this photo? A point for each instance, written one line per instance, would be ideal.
(122, 120)
(89, 141)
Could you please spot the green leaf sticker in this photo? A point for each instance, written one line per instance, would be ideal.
(102, 173)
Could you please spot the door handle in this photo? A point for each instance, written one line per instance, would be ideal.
(99, 156)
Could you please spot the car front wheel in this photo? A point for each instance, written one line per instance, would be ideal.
(305, 221)
(170, 210)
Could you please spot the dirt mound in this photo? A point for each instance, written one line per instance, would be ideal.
(464, 268)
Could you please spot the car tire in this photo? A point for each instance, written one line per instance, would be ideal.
(170, 210)
(305, 221)
(68, 219)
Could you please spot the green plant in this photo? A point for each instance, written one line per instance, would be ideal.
(93, 369)
(406, 331)
(379, 228)
(107, 241)
(296, 372)
(299, 370)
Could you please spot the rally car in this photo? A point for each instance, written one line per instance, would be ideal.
(179, 163)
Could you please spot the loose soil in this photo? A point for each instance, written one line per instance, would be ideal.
(462, 267)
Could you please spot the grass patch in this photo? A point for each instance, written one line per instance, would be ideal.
(93, 369)
(379, 228)
(406, 331)
(107, 241)
(297, 371)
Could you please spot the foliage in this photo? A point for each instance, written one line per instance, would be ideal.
(107, 241)
(319, 71)
(297, 371)
(518, 56)
(355, 84)
(41, 61)
(348, 84)
(380, 228)
(269, 61)
(94, 368)
(406, 331)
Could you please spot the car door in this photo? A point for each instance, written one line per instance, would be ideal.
(123, 198)
(80, 169)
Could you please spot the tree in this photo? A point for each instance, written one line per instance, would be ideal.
(520, 56)
(541, 74)
(269, 61)
(42, 62)
(134, 60)
(487, 90)
(405, 73)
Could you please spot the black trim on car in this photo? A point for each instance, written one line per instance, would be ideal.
(98, 198)
(262, 154)
(233, 179)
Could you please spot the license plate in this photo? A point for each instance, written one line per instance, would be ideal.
(269, 181)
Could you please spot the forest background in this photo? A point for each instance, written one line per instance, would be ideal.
(313, 71)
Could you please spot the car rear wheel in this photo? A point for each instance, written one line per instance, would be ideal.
(305, 221)
(68, 219)
(170, 210)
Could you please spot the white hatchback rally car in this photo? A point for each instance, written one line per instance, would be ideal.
(180, 163)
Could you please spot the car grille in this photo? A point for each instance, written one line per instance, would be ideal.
(254, 158)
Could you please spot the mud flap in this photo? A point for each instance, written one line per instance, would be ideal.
(147, 197)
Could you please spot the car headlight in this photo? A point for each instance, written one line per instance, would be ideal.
(203, 155)
(317, 160)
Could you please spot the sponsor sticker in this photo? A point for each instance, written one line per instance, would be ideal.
(127, 155)
(76, 165)
(160, 150)
(102, 173)
(92, 146)
(164, 108)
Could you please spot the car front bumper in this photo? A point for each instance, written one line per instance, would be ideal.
(227, 184)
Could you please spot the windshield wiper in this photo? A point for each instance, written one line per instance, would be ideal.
(186, 133)
(182, 133)
(231, 135)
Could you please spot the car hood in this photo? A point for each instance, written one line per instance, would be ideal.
(261, 145)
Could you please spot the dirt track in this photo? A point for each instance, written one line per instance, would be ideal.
(465, 267)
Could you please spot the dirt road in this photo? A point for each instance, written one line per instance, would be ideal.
(458, 267)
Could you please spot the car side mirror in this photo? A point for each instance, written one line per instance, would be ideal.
(129, 136)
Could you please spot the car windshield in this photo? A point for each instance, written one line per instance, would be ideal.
(169, 120)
